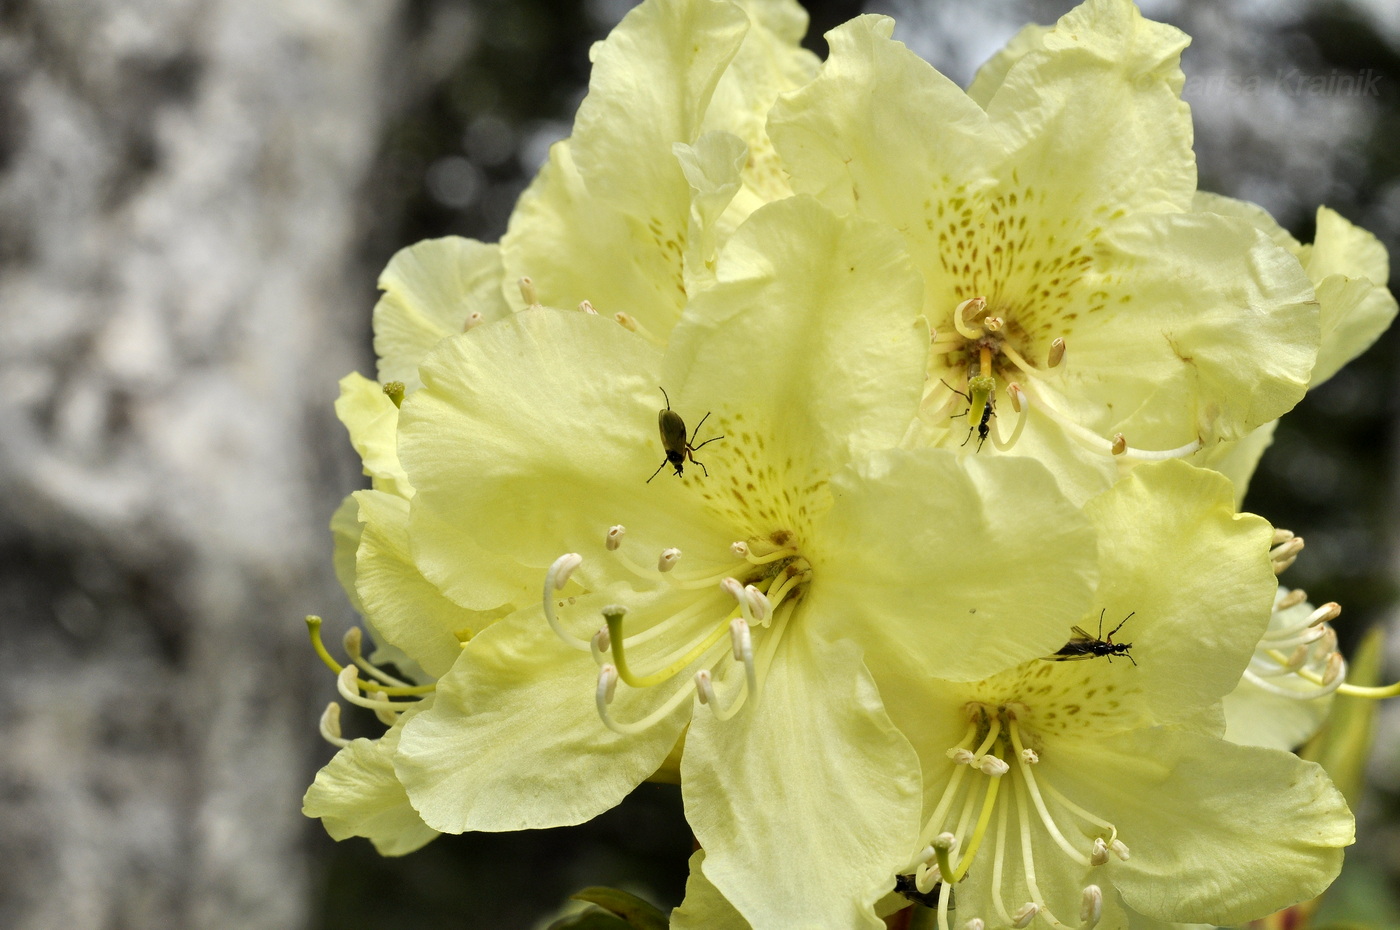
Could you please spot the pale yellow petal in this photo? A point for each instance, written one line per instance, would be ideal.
(373, 421)
(432, 289)
(704, 908)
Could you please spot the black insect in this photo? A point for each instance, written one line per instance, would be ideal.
(1084, 646)
(905, 885)
(982, 397)
(673, 440)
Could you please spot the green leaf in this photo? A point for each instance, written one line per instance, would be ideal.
(591, 919)
(635, 913)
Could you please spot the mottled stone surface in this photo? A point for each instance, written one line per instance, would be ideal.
(178, 295)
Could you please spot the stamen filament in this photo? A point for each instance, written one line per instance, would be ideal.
(1272, 688)
(330, 726)
(1096, 443)
(348, 684)
(688, 653)
(1027, 856)
(1034, 790)
(554, 580)
(960, 322)
(352, 641)
(706, 692)
(632, 728)
(998, 861)
(1022, 409)
(773, 556)
(1081, 812)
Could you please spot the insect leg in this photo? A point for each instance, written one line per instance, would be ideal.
(658, 470)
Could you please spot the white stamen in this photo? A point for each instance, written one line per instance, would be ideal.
(1024, 916)
(704, 690)
(1057, 354)
(1099, 854)
(554, 580)
(739, 548)
(760, 605)
(961, 756)
(1292, 598)
(1325, 614)
(1091, 907)
(968, 307)
(1281, 535)
(626, 320)
(993, 323)
(1096, 443)
(586, 306)
(474, 319)
(1120, 444)
(926, 876)
(1336, 666)
(528, 292)
(1120, 849)
(1017, 404)
(1030, 756)
(614, 537)
(602, 640)
(330, 726)
(991, 765)
(741, 640)
(668, 559)
(975, 923)
(607, 684)
(733, 587)
(347, 683)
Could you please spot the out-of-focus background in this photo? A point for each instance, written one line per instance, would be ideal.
(195, 199)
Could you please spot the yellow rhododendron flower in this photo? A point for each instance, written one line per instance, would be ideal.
(1071, 284)
(1070, 788)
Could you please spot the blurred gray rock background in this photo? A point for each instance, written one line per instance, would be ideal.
(195, 198)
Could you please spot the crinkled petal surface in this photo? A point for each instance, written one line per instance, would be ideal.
(1351, 269)
(404, 609)
(1192, 571)
(357, 794)
(514, 742)
(806, 802)
(952, 567)
(529, 439)
(430, 290)
(808, 349)
(1225, 833)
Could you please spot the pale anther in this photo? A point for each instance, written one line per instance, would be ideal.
(1336, 665)
(975, 923)
(1298, 659)
(352, 640)
(626, 320)
(330, 726)
(1293, 599)
(607, 683)
(993, 323)
(1024, 916)
(961, 756)
(1120, 849)
(614, 537)
(668, 559)
(602, 640)
(1325, 614)
(991, 765)
(562, 568)
(1017, 396)
(965, 309)
(739, 548)
(759, 603)
(528, 292)
(1099, 854)
(1281, 535)
(1030, 756)
(1091, 906)
(587, 307)
(1120, 444)
(733, 587)
(945, 841)
(474, 319)
(703, 689)
(1057, 354)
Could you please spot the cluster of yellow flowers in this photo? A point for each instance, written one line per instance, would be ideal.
(933, 576)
